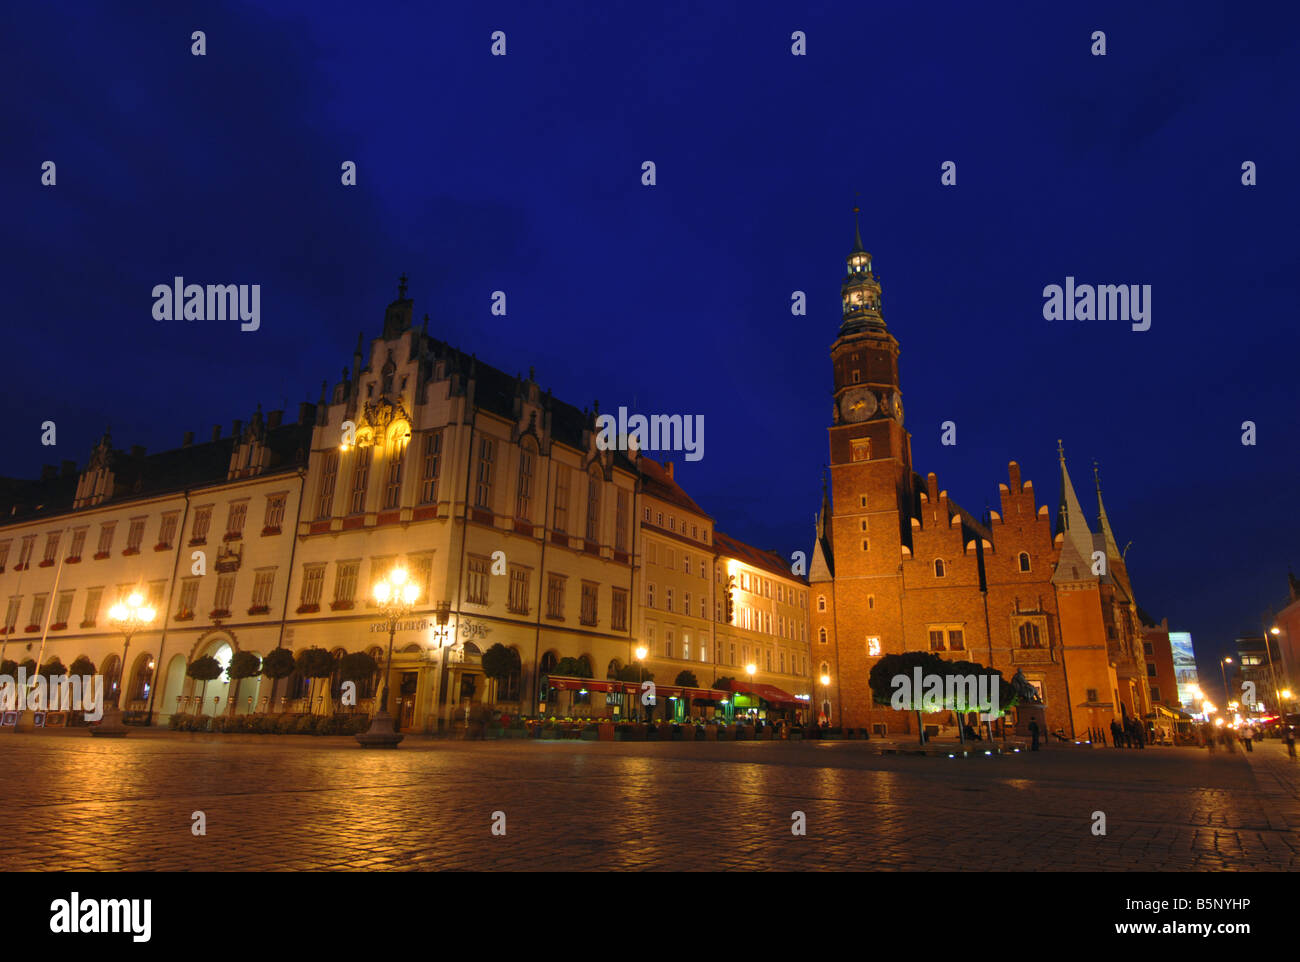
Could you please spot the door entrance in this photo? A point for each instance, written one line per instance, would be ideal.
(406, 700)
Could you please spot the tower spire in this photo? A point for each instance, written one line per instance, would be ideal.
(860, 291)
(857, 234)
(1076, 549)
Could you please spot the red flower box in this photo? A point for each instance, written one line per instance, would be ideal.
(70, 560)
(88, 624)
(307, 609)
(129, 551)
(32, 628)
(259, 609)
(219, 613)
(58, 626)
(184, 615)
(270, 529)
(101, 555)
(160, 546)
(24, 567)
(342, 605)
(46, 564)
(197, 541)
(232, 536)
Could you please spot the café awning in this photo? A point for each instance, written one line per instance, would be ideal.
(774, 696)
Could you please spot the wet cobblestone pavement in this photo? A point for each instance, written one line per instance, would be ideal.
(71, 802)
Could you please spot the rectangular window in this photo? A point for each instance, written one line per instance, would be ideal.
(63, 608)
(668, 642)
(936, 640)
(135, 534)
(618, 610)
(38, 612)
(593, 507)
(555, 596)
(167, 530)
(649, 594)
(274, 516)
(524, 496)
(668, 599)
(686, 602)
(225, 593)
(313, 583)
(957, 639)
(562, 498)
(622, 511)
(345, 583)
(11, 614)
(421, 571)
(189, 598)
(91, 613)
(483, 483)
(235, 520)
(51, 548)
(589, 603)
(360, 479)
(25, 552)
(704, 608)
(430, 467)
(731, 653)
(263, 584)
(202, 520)
(157, 594)
(329, 473)
(686, 563)
(519, 590)
(78, 545)
(479, 572)
(393, 485)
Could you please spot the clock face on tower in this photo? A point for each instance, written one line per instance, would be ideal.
(898, 407)
(857, 404)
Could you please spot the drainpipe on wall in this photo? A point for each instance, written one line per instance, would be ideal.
(541, 584)
(166, 613)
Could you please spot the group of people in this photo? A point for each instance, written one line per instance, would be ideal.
(1127, 735)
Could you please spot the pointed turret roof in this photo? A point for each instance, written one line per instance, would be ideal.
(1076, 547)
(822, 567)
(1106, 541)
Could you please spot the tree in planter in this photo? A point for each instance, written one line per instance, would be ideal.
(356, 667)
(638, 674)
(315, 663)
(81, 665)
(53, 669)
(905, 665)
(243, 665)
(278, 664)
(205, 668)
(686, 679)
(500, 663)
(572, 667)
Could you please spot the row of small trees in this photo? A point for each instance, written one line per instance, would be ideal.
(314, 663)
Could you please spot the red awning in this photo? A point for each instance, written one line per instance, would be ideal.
(769, 693)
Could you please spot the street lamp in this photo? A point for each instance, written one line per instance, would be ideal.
(641, 652)
(128, 617)
(1227, 695)
(396, 596)
(826, 682)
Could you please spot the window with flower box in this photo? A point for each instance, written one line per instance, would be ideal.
(11, 614)
(235, 517)
(430, 467)
(74, 551)
(189, 599)
(38, 612)
(202, 521)
(345, 585)
(274, 515)
(90, 614)
(51, 549)
(313, 584)
(263, 584)
(134, 536)
(479, 575)
(520, 577)
(25, 553)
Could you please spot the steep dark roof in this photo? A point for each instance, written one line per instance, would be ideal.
(655, 481)
(767, 560)
(138, 476)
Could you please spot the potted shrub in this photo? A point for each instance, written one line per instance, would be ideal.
(205, 668)
(244, 664)
(356, 667)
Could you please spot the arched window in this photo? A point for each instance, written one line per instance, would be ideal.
(821, 602)
(939, 570)
(1024, 561)
(545, 668)
(821, 635)
(613, 669)
(508, 688)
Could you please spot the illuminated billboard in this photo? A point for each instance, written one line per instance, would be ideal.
(1185, 670)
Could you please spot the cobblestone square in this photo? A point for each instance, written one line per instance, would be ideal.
(299, 803)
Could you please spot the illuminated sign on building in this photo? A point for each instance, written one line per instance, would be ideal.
(1185, 670)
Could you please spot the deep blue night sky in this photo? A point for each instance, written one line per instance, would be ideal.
(522, 173)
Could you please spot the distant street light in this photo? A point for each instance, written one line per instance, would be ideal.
(128, 617)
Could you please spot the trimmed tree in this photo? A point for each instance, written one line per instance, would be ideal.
(243, 665)
(278, 664)
(686, 679)
(893, 682)
(205, 668)
(356, 667)
(53, 669)
(572, 667)
(500, 662)
(9, 667)
(81, 665)
(315, 663)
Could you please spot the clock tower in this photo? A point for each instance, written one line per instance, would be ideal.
(865, 526)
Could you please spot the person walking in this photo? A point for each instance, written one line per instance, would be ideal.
(1247, 736)
(1290, 742)
(1033, 734)
(1115, 733)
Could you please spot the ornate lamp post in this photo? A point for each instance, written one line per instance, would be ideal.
(128, 617)
(641, 652)
(396, 596)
